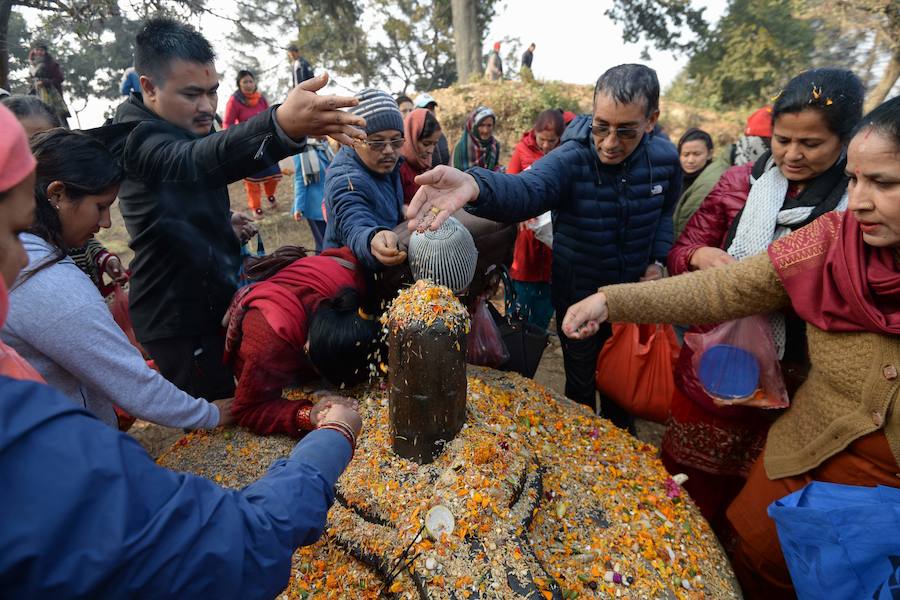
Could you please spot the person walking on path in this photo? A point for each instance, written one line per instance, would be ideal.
(174, 199)
(309, 186)
(301, 70)
(612, 186)
(527, 57)
(244, 104)
(494, 69)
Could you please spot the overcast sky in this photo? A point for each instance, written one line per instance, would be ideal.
(575, 42)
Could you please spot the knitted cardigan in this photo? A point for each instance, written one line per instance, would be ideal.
(852, 385)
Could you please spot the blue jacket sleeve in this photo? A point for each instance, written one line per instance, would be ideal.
(88, 514)
(665, 229)
(511, 198)
(354, 222)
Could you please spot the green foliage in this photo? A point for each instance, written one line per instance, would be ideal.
(756, 47)
(328, 32)
(660, 22)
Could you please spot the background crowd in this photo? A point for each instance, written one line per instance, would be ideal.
(798, 220)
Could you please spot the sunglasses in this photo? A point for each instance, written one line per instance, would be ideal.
(623, 133)
(379, 146)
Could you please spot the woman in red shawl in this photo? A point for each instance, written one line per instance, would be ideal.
(245, 103)
(300, 322)
(530, 271)
(421, 132)
(841, 275)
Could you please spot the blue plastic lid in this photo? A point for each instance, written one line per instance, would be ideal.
(728, 372)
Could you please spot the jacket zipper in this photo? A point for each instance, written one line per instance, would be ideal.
(262, 147)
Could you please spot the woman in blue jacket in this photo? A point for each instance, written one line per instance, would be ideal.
(309, 186)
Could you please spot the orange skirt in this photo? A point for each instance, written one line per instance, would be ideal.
(758, 561)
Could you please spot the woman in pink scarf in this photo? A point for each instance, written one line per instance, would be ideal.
(421, 132)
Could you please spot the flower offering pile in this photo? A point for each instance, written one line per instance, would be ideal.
(534, 498)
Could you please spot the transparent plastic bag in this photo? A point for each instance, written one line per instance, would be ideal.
(737, 364)
(485, 344)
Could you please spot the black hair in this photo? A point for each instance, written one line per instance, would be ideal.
(263, 267)
(693, 134)
(83, 164)
(884, 119)
(30, 106)
(430, 126)
(836, 93)
(630, 83)
(162, 40)
(343, 343)
(402, 98)
(550, 119)
(241, 74)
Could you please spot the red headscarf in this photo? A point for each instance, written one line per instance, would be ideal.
(412, 129)
(835, 280)
(289, 298)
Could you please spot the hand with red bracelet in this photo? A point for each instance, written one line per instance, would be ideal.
(344, 420)
(326, 401)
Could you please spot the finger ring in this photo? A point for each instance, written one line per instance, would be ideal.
(435, 210)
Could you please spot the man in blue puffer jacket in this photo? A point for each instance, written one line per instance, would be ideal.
(612, 187)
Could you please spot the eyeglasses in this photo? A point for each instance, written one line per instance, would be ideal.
(623, 133)
(379, 146)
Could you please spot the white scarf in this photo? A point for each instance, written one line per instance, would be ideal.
(763, 221)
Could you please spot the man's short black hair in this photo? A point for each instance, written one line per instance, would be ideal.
(630, 83)
(161, 40)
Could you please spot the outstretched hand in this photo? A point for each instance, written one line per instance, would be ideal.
(444, 191)
(304, 113)
(583, 318)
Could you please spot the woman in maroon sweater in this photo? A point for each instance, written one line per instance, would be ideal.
(302, 321)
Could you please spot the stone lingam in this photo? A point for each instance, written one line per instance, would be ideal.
(427, 329)
(533, 497)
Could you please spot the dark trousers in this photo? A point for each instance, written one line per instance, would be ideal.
(580, 362)
(318, 232)
(194, 364)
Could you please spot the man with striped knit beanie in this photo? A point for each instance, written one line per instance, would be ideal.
(363, 194)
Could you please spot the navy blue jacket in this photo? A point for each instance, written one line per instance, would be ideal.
(609, 221)
(87, 514)
(359, 204)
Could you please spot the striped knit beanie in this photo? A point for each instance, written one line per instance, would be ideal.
(379, 110)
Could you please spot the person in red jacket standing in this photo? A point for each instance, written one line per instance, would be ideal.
(532, 258)
(243, 104)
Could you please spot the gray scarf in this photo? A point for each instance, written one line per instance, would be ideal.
(310, 164)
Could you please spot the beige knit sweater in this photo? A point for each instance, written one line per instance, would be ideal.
(852, 386)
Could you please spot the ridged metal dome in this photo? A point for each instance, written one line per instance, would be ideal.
(446, 256)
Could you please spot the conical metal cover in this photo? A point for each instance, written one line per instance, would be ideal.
(446, 256)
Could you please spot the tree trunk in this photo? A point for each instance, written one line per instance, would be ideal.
(468, 41)
(5, 11)
(888, 79)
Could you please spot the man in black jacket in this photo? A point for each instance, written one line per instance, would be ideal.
(175, 199)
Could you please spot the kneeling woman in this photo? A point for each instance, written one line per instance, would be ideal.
(300, 322)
